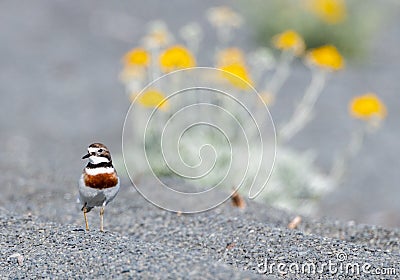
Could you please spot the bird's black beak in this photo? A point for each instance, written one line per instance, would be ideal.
(86, 156)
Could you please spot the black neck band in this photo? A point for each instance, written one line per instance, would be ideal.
(101, 164)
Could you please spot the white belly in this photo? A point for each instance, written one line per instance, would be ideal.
(94, 197)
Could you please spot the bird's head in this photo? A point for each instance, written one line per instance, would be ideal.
(98, 153)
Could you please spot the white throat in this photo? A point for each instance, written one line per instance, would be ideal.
(97, 160)
(99, 170)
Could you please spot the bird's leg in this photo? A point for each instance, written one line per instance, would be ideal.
(84, 209)
(101, 218)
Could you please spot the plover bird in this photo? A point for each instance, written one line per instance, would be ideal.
(99, 182)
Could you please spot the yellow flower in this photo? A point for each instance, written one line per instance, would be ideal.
(240, 77)
(137, 57)
(230, 56)
(289, 40)
(176, 57)
(330, 11)
(367, 106)
(153, 98)
(326, 57)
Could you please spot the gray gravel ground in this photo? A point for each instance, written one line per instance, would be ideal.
(52, 250)
(59, 66)
(225, 243)
(45, 227)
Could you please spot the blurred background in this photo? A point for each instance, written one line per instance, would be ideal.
(60, 62)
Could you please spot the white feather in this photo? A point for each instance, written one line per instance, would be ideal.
(96, 159)
(99, 170)
(93, 150)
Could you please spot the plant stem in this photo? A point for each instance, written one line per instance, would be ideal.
(281, 74)
(154, 71)
(303, 111)
(353, 148)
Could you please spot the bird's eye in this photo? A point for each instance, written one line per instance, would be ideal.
(100, 150)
